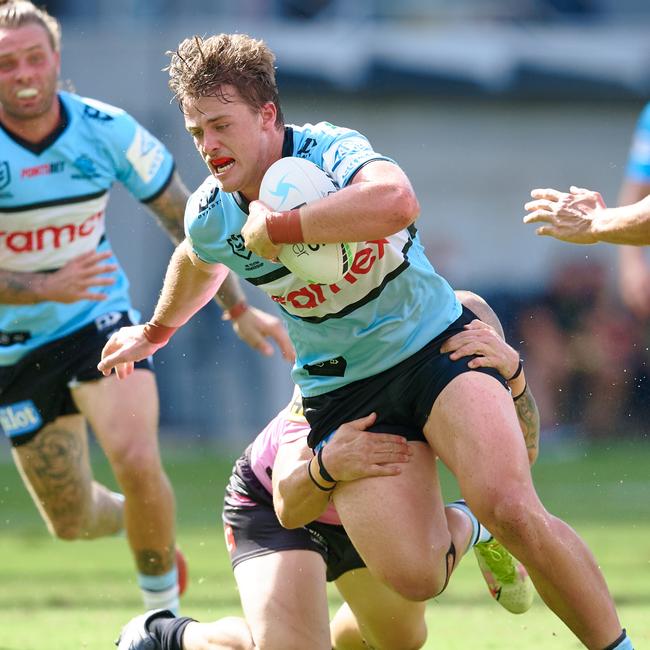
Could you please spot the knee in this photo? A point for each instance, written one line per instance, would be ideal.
(135, 462)
(512, 517)
(418, 586)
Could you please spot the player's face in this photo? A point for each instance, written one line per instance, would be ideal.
(236, 142)
(29, 72)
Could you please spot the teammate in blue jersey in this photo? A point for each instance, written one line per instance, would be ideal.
(62, 293)
(373, 342)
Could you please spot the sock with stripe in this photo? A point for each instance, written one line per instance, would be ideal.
(160, 592)
(622, 643)
(480, 533)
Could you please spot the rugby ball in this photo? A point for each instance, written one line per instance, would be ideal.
(290, 183)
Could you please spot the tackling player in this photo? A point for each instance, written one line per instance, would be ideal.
(62, 293)
(369, 343)
(281, 574)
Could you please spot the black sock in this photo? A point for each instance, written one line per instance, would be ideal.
(169, 631)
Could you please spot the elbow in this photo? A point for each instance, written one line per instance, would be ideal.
(403, 205)
(284, 514)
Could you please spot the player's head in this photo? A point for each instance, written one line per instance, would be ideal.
(225, 86)
(30, 41)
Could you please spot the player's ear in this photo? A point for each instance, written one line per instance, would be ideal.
(268, 113)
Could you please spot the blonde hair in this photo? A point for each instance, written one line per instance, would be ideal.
(17, 13)
(200, 67)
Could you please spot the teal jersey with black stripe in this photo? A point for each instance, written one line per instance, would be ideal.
(53, 198)
(386, 308)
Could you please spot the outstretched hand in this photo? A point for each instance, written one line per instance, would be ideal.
(125, 347)
(354, 453)
(255, 327)
(74, 281)
(567, 216)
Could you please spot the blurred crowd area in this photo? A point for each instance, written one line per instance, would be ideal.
(405, 10)
(586, 354)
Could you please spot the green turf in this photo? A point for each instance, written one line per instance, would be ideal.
(68, 596)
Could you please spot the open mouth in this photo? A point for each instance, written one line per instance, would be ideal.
(221, 165)
(27, 93)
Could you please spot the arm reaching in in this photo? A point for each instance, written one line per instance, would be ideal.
(189, 285)
(70, 283)
(351, 454)
(580, 216)
(486, 339)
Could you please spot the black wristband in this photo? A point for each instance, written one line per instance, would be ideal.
(315, 482)
(323, 472)
(514, 399)
(520, 367)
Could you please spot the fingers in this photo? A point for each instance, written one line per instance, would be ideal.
(548, 194)
(365, 422)
(283, 341)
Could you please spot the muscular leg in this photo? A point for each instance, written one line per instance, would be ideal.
(375, 613)
(56, 470)
(473, 428)
(284, 599)
(416, 560)
(230, 633)
(124, 416)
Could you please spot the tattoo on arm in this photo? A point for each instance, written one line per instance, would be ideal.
(18, 288)
(169, 208)
(528, 416)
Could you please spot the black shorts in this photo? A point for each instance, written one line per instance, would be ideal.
(253, 530)
(402, 396)
(36, 390)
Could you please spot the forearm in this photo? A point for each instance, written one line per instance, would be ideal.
(186, 289)
(528, 416)
(18, 288)
(296, 498)
(628, 224)
(229, 293)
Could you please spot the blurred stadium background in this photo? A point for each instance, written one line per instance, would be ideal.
(479, 101)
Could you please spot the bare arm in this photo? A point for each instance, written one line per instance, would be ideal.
(634, 268)
(486, 338)
(379, 202)
(351, 454)
(70, 283)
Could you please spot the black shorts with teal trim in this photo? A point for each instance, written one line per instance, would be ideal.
(402, 396)
(36, 390)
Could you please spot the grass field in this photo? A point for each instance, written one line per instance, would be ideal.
(68, 596)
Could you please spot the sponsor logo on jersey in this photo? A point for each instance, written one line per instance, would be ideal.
(86, 167)
(331, 368)
(14, 338)
(43, 170)
(236, 243)
(49, 237)
(106, 321)
(19, 418)
(306, 147)
(207, 199)
(312, 295)
(146, 154)
(95, 114)
(230, 538)
(5, 174)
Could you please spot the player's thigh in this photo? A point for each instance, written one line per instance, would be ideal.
(473, 428)
(284, 598)
(386, 619)
(123, 414)
(55, 466)
(398, 524)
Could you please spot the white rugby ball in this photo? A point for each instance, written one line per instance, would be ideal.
(288, 184)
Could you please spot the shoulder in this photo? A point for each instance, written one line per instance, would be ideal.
(94, 111)
(201, 202)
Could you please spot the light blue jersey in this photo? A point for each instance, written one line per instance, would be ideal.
(53, 200)
(638, 165)
(386, 308)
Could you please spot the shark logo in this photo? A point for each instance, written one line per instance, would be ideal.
(282, 190)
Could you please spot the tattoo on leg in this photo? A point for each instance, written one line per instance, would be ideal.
(529, 418)
(154, 563)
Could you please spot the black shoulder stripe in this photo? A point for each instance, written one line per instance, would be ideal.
(49, 204)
